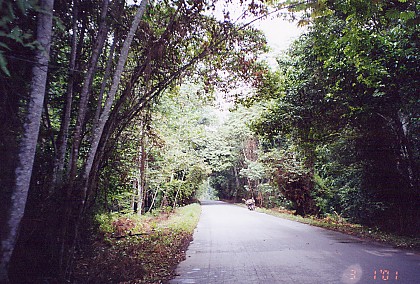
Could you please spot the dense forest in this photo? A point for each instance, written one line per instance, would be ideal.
(120, 106)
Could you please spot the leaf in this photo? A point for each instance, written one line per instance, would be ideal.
(22, 5)
(3, 65)
(10, 10)
(16, 35)
(378, 93)
(59, 23)
(303, 23)
(4, 46)
(407, 15)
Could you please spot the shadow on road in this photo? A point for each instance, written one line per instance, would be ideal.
(213, 202)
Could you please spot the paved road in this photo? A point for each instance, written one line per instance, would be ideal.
(234, 245)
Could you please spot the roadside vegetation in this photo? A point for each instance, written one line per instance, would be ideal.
(137, 249)
(334, 130)
(337, 223)
(134, 107)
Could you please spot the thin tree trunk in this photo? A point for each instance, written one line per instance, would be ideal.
(399, 125)
(153, 200)
(48, 126)
(407, 168)
(133, 203)
(64, 260)
(85, 93)
(71, 223)
(178, 190)
(142, 167)
(97, 132)
(237, 184)
(120, 7)
(405, 149)
(104, 82)
(28, 143)
(59, 160)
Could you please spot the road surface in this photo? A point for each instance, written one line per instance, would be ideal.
(234, 245)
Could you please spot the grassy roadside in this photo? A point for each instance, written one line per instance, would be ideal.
(339, 224)
(137, 249)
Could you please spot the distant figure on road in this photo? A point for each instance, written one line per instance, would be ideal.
(250, 203)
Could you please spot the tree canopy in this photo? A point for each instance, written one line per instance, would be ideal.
(128, 120)
(109, 66)
(346, 95)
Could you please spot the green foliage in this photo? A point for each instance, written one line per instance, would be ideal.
(12, 31)
(225, 154)
(183, 219)
(336, 222)
(346, 96)
(253, 171)
(147, 253)
(153, 141)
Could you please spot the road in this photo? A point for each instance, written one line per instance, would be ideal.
(234, 245)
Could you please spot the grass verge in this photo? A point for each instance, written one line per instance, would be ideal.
(137, 249)
(341, 225)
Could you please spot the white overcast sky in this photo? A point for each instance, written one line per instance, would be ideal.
(279, 32)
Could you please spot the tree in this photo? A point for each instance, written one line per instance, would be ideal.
(339, 88)
(88, 112)
(30, 135)
(80, 197)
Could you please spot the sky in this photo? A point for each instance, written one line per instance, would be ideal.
(280, 33)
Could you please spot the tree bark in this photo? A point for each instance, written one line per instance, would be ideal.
(84, 94)
(97, 132)
(178, 190)
(59, 160)
(154, 199)
(142, 167)
(120, 7)
(237, 184)
(28, 143)
(104, 82)
(64, 259)
(74, 215)
(408, 166)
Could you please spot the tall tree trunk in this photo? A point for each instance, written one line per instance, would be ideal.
(97, 132)
(84, 94)
(104, 82)
(154, 199)
(28, 143)
(142, 167)
(407, 168)
(237, 184)
(178, 190)
(64, 259)
(119, 5)
(74, 215)
(65, 121)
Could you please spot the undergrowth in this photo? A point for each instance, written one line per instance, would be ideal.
(336, 223)
(129, 248)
